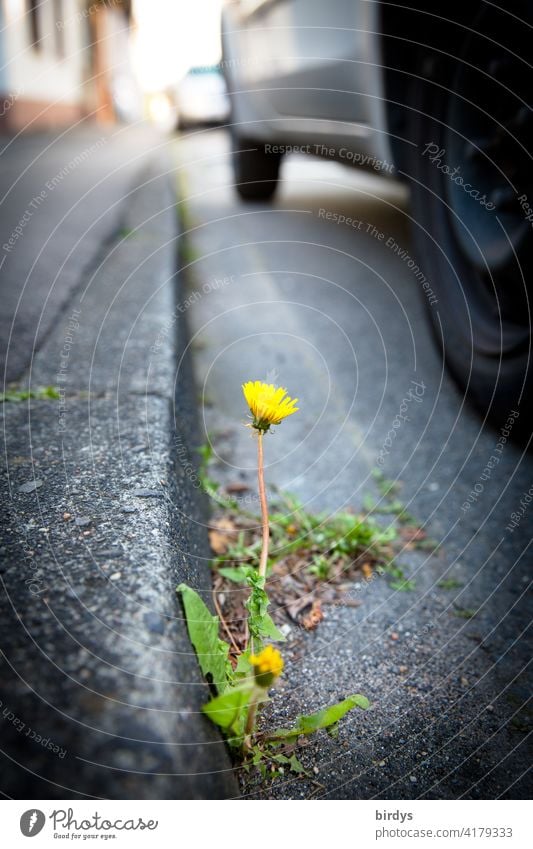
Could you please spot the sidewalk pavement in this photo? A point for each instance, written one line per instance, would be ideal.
(100, 690)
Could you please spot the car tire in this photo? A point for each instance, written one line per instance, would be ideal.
(256, 172)
(476, 247)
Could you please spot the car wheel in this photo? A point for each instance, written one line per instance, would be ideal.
(255, 171)
(470, 174)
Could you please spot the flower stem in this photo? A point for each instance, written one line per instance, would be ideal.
(250, 721)
(264, 504)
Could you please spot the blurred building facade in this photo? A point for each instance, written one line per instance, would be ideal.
(65, 60)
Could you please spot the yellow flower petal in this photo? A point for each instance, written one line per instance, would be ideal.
(269, 660)
(268, 404)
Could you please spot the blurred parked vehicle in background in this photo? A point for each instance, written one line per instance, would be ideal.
(438, 96)
(201, 97)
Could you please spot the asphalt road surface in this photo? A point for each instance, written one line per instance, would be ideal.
(60, 199)
(334, 310)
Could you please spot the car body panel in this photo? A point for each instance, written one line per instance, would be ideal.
(303, 71)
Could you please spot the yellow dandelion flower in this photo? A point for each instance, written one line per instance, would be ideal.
(268, 665)
(268, 404)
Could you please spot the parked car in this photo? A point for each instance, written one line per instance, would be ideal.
(438, 95)
(201, 97)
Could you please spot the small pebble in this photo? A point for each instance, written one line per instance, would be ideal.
(147, 493)
(154, 622)
(82, 521)
(67, 516)
(115, 576)
(403, 669)
(30, 486)
(413, 779)
(394, 636)
(128, 509)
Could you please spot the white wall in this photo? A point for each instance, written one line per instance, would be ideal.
(40, 74)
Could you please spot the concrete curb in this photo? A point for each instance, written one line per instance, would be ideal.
(101, 691)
